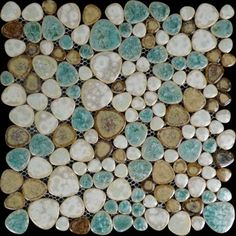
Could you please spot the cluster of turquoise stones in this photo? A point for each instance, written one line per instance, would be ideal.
(106, 36)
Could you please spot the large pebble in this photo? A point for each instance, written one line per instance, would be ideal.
(95, 95)
(33, 12)
(200, 118)
(226, 139)
(136, 84)
(10, 11)
(44, 213)
(63, 182)
(157, 218)
(14, 47)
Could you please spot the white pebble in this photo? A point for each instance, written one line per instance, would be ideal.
(38, 101)
(51, 88)
(10, 11)
(202, 134)
(115, 13)
(226, 139)
(81, 34)
(121, 171)
(159, 109)
(205, 159)
(156, 123)
(213, 185)
(91, 136)
(46, 47)
(150, 98)
(181, 180)
(128, 68)
(179, 77)
(198, 223)
(226, 45)
(142, 64)
(33, 12)
(216, 127)
(196, 79)
(153, 83)
(80, 168)
(14, 47)
(120, 141)
(85, 73)
(223, 116)
(136, 84)
(187, 13)
(131, 115)
(108, 164)
(208, 172)
(60, 157)
(188, 131)
(210, 91)
(171, 155)
(162, 37)
(226, 12)
(138, 103)
(196, 186)
(149, 201)
(94, 166)
(133, 153)
(121, 101)
(200, 118)
(139, 30)
(62, 223)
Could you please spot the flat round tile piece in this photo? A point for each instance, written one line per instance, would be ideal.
(10, 11)
(80, 226)
(33, 12)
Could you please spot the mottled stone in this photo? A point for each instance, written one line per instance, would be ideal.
(32, 83)
(222, 29)
(12, 29)
(33, 31)
(101, 223)
(164, 71)
(6, 78)
(49, 7)
(200, 118)
(196, 60)
(196, 186)
(37, 101)
(173, 206)
(228, 60)
(14, 201)
(59, 54)
(102, 149)
(80, 226)
(214, 72)
(223, 174)
(73, 57)
(224, 195)
(122, 222)
(148, 41)
(194, 206)
(91, 14)
(163, 192)
(115, 13)
(172, 24)
(159, 10)
(194, 169)
(33, 12)
(102, 179)
(157, 54)
(223, 158)
(10, 11)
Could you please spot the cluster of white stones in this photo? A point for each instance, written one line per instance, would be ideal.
(117, 122)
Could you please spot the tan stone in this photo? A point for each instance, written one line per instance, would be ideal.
(49, 7)
(228, 60)
(188, 27)
(194, 206)
(212, 105)
(194, 169)
(152, 25)
(102, 149)
(224, 85)
(148, 185)
(163, 193)
(224, 99)
(214, 72)
(180, 166)
(224, 174)
(32, 49)
(148, 41)
(91, 14)
(173, 206)
(118, 86)
(14, 201)
(214, 55)
(119, 155)
(59, 54)
(73, 57)
(32, 83)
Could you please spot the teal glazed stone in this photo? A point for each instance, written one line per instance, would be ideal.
(139, 170)
(6, 78)
(73, 91)
(208, 197)
(86, 51)
(125, 207)
(224, 195)
(135, 12)
(219, 216)
(140, 224)
(17, 222)
(102, 179)
(135, 133)
(157, 54)
(86, 181)
(138, 209)
(137, 195)
(146, 115)
(101, 223)
(163, 71)
(130, 49)
(181, 194)
(33, 31)
(111, 207)
(104, 36)
(170, 93)
(66, 42)
(210, 145)
(18, 158)
(172, 24)
(41, 145)
(196, 61)
(66, 74)
(152, 149)
(52, 28)
(125, 29)
(222, 29)
(122, 222)
(179, 63)
(159, 10)
(82, 120)
(189, 150)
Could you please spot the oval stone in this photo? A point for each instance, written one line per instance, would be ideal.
(139, 170)
(196, 186)
(200, 118)
(104, 36)
(12, 29)
(196, 79)
(14, 201)
(52, 28)
(222, 29)
(135, 133)
(101, 223)
(37, 101)
(106, 66)
(14, 47)
(17, 222)
(115, 13)
(102, 179)
(60, 157)
(170, 93)
(152, 149)
(136, 84)
(10, 11)
(226, 139)
(159, 10)
(95, 95)
(170, 137)
(33, 31)
(80, 226)
(219, 216)
(122, 222)
(172, 24)
(33, 12)
(196, 60)
(121, 101)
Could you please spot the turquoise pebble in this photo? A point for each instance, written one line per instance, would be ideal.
(86, 181)
(122, 222)
(66, 42)
(152, 149)
(208, 197)
(111, 207)
(41, 145)
(224, 195)
(157, 54)
(125, 29)
(6, 78)
(181, 194)
(159, 10)
(102, 179)
(210, 145)
(137, 195)
(33, 31)
(138, 209)
(104, 36)
(170, 93)
(196, 61)
(73, 91)
(135, 11)
(219, 216)
(18, 158)
(179, 63)
(52, 28)
(17, 222)
(163, 71)
(222, 29)
(146, 115)
(135, 133)
(139, 170)
(125, 207)
(66, 74)
(140, 224)
(101, 223)
(172, 24)
(82, 119)
(130, 49)
(86, 51)
(189, 150)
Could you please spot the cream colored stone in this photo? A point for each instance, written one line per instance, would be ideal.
(196, 186)
(138, 103)
(133, 153)
(149, 201)
(62, 223)
(94, 166)
(131, 115)
(187, 13)
(162, 37)
(46, 47)
(142, 64)
(14, 47)
(226, 139)
(121, 170)
(81, 34)
(216, 127)
(179, 77)
(108, 164)
(120, 141)
(38, 101)
(196, 79)
(91, 136)
(225, 45)
(200, 118)
(136, 84)
(60, 157)
(10, 11)
(139, 30)
(51, 89)
(150, 98)
(226, 12)
(115, 13)
(198, 223)
(121, 101)
(33, 12)
(128, 68)
(223, 116)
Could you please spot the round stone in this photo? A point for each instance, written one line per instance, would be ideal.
(172, 24)
(80, 226)
(223, 174)
(163, 193)
(196, 186)
(59, 157)
(101, 223)
(62, 223)
(122, 222)
(196, 79)
(149, 201)
(14, 47)
(200, 118)
(187, 13)
(121, 101)
(222, 29)
(198, 223)
(14, 201)
(226, 139)
(10, 11)
(91, 14)
(115, 13)
(51, 89)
